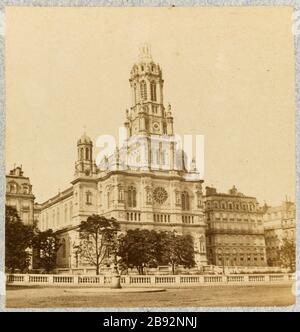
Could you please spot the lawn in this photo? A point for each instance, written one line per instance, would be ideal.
(225, 296)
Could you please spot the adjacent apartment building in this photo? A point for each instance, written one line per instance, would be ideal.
(19, 195)
(235, 230)
(279, 224)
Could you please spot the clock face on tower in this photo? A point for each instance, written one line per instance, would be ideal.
(156, 126)
(160, 195)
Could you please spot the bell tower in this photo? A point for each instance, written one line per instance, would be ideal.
(85, 164)
(147, 115)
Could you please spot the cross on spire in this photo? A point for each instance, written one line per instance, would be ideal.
(145, 52)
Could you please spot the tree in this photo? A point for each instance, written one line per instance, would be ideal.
(177, 250)
(139, 248)
(18, 240)
(287, 254)
(97, 239)
(47, 244)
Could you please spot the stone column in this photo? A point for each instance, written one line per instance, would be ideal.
(160, 155)
(172, 156)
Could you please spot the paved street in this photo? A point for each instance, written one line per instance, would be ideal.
(274, 295)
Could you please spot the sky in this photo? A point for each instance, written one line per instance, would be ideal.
(228, 74)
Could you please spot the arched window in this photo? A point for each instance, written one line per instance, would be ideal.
(13, 188)
(164, 128)
(87, 153)
(81, 154)
(88, 196)
(25, 189)
(153, 91)
(131, 197)
(143, 90)
(185, 201)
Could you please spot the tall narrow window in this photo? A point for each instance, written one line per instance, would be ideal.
(163, 157)
(134, 94)
(87, 153)
(165, 128)
(109, 198)
(185, 201)
(131, 197)
(143, 90)
(153, 91)
(88, 197)
(147, 124)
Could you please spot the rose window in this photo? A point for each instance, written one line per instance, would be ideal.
(160, 195)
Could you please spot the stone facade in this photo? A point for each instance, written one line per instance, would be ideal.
(235, 231)
(143, 184)
(19, 195)
(279, 224)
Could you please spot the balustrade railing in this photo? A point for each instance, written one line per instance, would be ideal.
(147, 280)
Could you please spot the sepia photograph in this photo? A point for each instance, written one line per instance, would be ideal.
(150, 158)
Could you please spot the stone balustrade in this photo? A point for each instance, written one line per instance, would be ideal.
(147, 280)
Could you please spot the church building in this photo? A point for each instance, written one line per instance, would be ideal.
(144, 184)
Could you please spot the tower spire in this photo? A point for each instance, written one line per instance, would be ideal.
(145, 53)
(147, 114)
